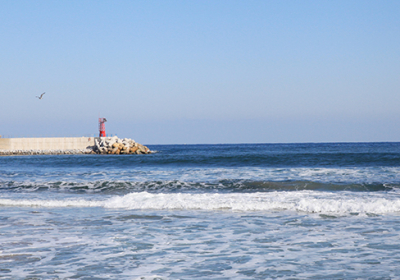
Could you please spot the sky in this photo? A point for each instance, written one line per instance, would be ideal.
(202, 72)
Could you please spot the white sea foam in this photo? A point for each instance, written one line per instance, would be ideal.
(300, 201)
(93, 180)
(80, 243)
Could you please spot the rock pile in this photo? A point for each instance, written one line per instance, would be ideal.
(116, 146)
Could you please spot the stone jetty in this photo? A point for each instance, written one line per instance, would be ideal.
(102, 145)
(116, 146)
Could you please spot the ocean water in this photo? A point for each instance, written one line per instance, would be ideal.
(249, 211)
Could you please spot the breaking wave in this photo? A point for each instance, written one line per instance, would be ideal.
(175, 186)
(343, 203)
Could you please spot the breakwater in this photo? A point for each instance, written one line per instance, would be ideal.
(116, 146)
(46, 143)
(43, 152)
(70, 145)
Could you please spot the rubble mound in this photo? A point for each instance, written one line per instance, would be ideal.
(116, 146)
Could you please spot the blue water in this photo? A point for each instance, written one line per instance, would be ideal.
(249, 211)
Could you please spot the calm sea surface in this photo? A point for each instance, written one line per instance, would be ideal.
(262, 211)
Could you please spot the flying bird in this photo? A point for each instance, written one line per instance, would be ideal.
(41, 96)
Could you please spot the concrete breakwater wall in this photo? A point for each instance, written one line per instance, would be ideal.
(50, 143)
(70, 145)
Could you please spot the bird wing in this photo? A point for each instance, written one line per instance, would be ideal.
(40, 97)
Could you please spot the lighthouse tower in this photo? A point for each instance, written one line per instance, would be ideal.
(102, 127)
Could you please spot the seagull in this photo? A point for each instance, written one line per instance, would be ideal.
(41, 96)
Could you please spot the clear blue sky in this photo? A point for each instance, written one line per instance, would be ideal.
(202, 71)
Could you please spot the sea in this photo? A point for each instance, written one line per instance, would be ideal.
(228, 211)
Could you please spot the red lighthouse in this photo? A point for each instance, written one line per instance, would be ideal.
(102, 127)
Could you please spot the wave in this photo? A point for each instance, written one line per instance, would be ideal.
(175, 186)
(356, 175)
(304, 201)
